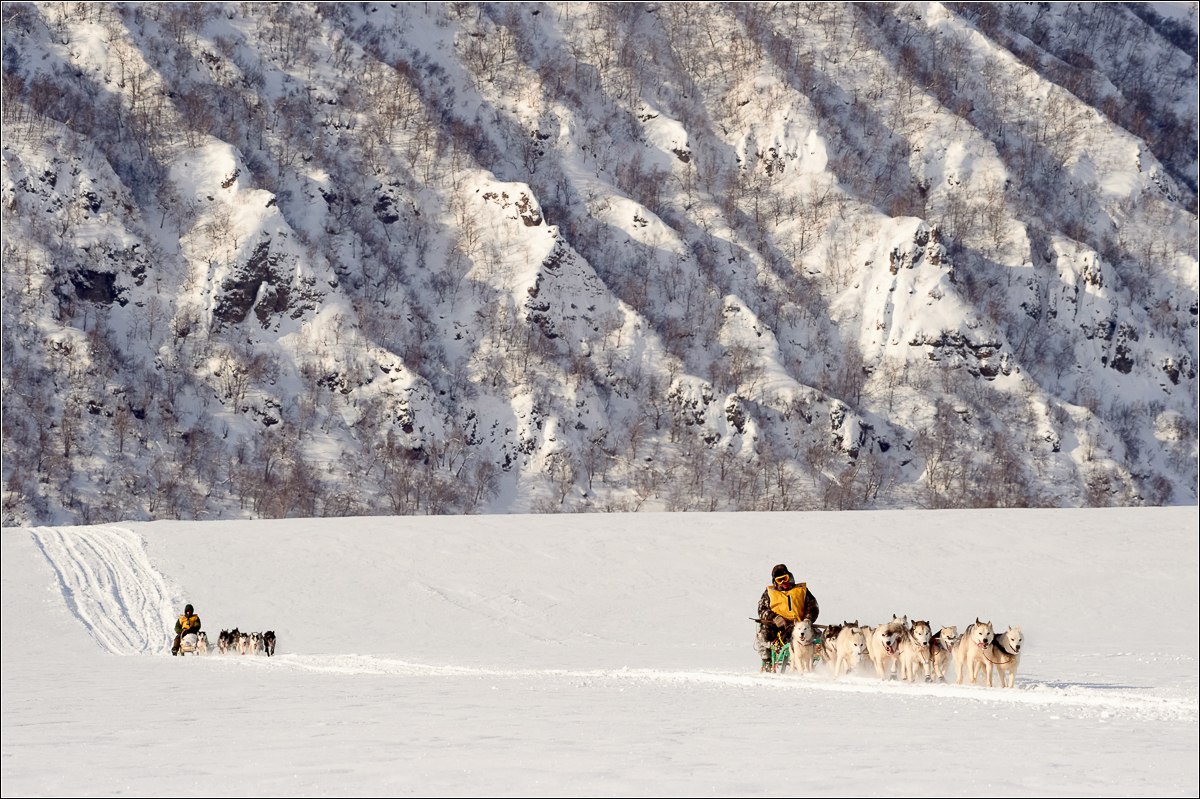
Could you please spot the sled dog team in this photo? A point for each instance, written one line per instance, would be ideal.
(190, 639)
(235, 641)
(913, 652)
(231, 641)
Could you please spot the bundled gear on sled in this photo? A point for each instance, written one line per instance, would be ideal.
(783, 603)
(187, 632)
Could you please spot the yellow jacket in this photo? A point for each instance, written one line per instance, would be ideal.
(187, 624)
(789, 604)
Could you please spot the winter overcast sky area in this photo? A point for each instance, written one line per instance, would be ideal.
(594, 655)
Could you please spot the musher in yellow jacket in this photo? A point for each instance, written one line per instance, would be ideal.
(783, 603)
(188, 623)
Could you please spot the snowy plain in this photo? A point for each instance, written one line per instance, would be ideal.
(594, 655)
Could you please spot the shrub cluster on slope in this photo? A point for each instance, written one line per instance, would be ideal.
(335, 259)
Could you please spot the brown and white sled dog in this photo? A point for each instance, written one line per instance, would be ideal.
(851, 648)
(803, 647)
(828, 649)
(916, 653)
(1005, 656)
(883, 645)
(971, 653)
(941, 649)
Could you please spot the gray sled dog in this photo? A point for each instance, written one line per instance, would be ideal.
(941, 648)
(883, 645)
(916, 652)
(803, 647)
(971, 653)
(1005, 656)
(227, 640)
(828, 648)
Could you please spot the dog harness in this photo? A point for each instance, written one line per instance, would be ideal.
(789, 604)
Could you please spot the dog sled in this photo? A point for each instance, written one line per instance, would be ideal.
(780, 652)
(781, 657)
(192, 644)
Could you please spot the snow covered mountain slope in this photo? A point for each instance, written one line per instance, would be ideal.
(592, 655)
(334, 259)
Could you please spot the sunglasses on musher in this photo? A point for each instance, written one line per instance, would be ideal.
(782, 579)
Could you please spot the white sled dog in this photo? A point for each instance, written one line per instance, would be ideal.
(1005, 656)
(916, 652)
(803, 647)
(941, 648)
(971, 653)
(883, 644)
(851, 646)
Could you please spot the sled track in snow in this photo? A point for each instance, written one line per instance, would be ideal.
(1090, 699)
(110, 585)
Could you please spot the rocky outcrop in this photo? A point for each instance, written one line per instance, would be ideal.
(266, 285)
(982, 359)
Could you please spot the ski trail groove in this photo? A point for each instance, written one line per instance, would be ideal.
(110, 586)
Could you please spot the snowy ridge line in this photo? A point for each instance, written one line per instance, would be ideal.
(1119, 700)
(109, 584)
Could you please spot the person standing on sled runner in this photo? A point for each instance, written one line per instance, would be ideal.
(187, 624)
(783, 603)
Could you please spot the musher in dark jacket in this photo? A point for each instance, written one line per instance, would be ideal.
(783, 603)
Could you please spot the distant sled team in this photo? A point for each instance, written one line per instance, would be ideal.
(236, 642)
(191, 640)
(230, 642)
(912, 652)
